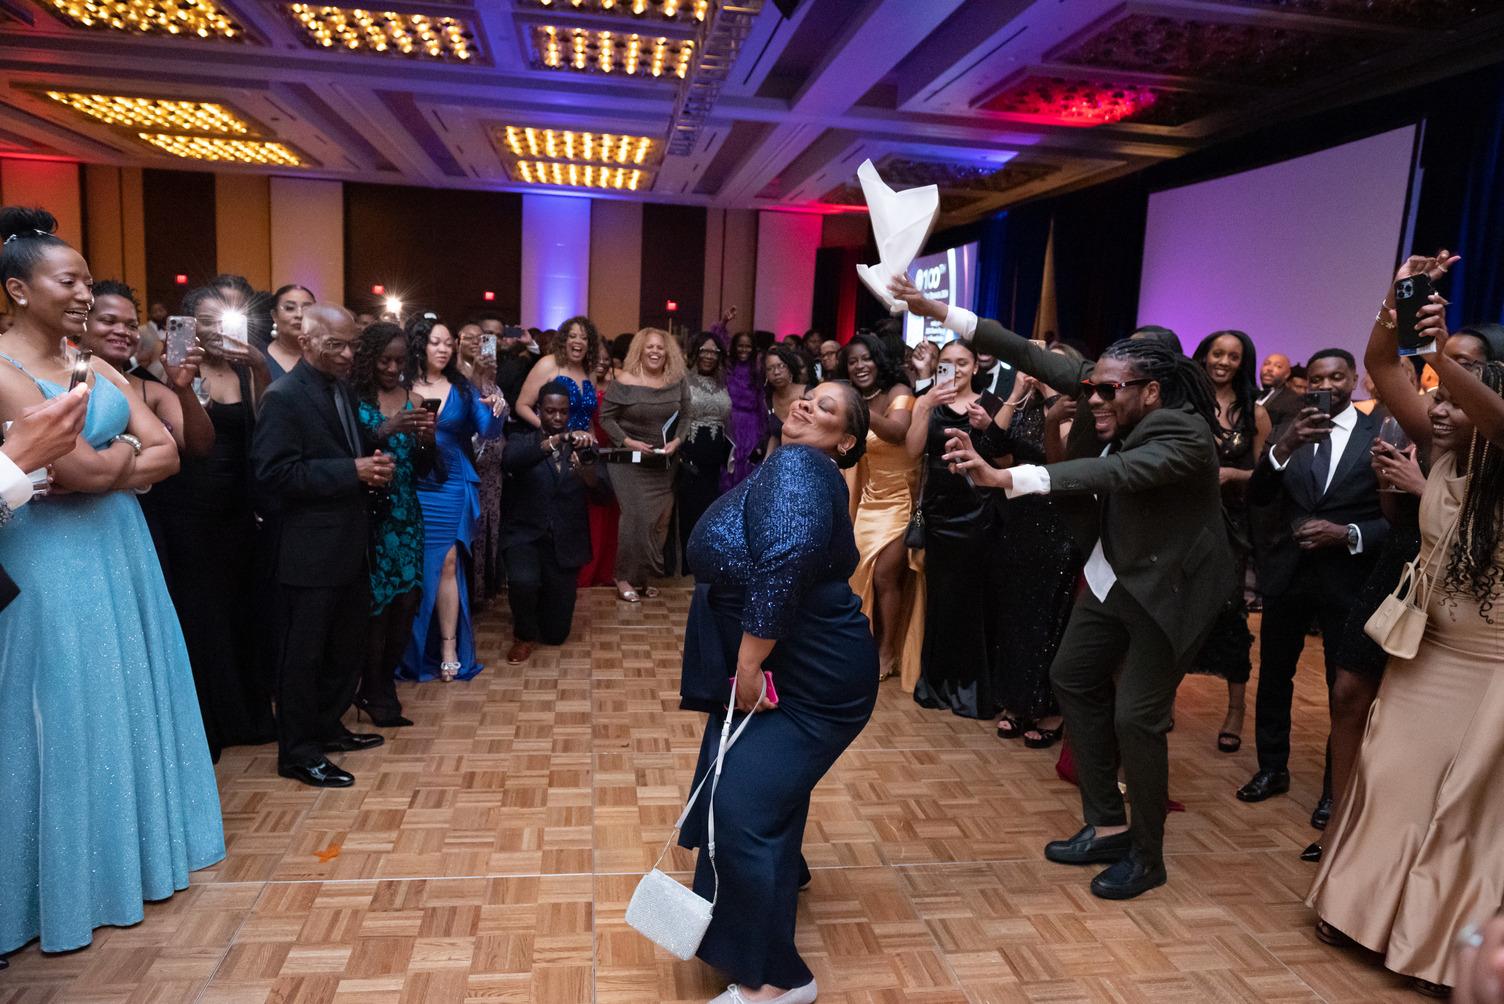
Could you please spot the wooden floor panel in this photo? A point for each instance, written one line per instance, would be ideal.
(486, 856)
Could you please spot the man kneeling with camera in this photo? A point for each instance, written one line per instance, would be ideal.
(550, 474)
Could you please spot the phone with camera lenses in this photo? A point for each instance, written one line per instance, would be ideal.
(945, 374)
(431, 405)
(488, 348)
(1321, 400)
(182, 332)
(81, 366)
(1411, 294)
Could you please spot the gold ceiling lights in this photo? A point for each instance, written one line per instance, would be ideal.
(358, 29)
(188, 18)
(568, 145)
(537, 172)
(223, 150)
(670, 10)
(631, 54)
(155, 114)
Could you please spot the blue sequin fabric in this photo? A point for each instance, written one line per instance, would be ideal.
(107, 794)
(781, 531)
(582, 403)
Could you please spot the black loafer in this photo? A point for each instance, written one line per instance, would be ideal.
(350, 742)
(1312, 852)
(1128, 878)
(1322, 814)
(1265, 784)
(1086, 848)
(318, 775)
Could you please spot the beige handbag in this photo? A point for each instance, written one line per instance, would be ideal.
(1400, 622)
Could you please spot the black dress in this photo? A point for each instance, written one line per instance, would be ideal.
(1225, 652)
(955, 669)
(207, 544)
(1039, 565)
(772, 558)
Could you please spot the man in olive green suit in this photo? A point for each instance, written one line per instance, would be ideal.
(1141, 491)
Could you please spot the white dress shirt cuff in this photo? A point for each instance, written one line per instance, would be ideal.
(1277, 464)
(1358, 547)
(15, 486)
(1028, 479)
(960, 321)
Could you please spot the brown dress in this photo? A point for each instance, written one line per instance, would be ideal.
(646, 494)
(1417, 850)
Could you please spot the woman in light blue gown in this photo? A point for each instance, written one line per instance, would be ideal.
(107, 795)
(443, 645)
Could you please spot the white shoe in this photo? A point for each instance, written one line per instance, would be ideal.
(799, 995)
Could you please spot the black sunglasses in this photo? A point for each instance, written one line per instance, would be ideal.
(1108, 391)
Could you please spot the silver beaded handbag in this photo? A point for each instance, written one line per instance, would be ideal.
(671, 915)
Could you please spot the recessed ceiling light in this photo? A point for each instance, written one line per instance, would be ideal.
(188, 18)
(681, 10)
(537, 172)
(234, 151)
(630, 53)
(568, 145)
(385, 32)
(155, 114)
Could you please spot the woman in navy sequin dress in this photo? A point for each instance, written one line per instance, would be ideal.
(771, 560)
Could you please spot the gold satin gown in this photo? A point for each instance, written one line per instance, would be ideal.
(1417, 850)
(882, 486)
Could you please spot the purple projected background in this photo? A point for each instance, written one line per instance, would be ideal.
(1296, 253)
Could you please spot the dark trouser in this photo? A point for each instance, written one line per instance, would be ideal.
(318, 652)
(1115, 676)
(1282, 639)
(540, 591)
(385, 643)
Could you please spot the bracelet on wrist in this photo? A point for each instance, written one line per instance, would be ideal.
(129, 440)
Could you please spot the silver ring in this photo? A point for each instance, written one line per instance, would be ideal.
(1470, 937)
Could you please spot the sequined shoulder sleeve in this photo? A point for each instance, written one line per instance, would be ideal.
(789, 515)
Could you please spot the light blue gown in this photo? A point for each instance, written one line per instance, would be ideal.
(107, 795)
(450, 498)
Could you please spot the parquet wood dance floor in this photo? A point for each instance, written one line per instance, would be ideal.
(487, 855)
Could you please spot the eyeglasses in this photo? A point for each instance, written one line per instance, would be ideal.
(1108, 391)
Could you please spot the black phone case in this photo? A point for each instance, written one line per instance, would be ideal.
(1409, 296)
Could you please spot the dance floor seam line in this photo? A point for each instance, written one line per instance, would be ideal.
(486, 856)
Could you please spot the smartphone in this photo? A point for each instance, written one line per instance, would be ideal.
(1409, 296)
(182, 332)
(488, 348)
(233, 327)
(945, 374)
(431, 405)
(1321, 400)
(990, 402)
(80, 372)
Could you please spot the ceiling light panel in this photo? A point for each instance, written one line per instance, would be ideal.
(626, 53)
(526, 142)
(669, 10)
(537, 172)
(385, 32)
(222, 150)
(155, 114)
(189, 18)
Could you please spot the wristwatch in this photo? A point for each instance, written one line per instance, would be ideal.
(1352, 537)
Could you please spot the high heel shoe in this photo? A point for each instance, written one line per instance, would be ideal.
(394, 722)
(1231, 742)
(448, 670)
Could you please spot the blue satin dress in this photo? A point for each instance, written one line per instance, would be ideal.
(450, 499)
(107, 794)
(772, 558)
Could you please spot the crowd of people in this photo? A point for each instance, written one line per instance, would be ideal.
(1022, 535)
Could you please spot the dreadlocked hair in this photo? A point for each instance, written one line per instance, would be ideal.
(1182, 381)
(1472, 564)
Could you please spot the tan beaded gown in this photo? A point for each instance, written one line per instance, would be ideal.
(1417, 851)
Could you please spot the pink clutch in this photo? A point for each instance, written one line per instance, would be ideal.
(772, 697)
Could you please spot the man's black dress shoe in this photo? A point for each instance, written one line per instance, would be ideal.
(318, 775)
(350, 741)
(1312, 852)
(1087, 848)
(1265, 784)
(1128, 878)
(1322, 814)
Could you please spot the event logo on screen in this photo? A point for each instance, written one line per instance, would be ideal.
(949, 276)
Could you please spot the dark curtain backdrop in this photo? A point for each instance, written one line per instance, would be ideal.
(178, 212)
(438, 249)
(673, 264)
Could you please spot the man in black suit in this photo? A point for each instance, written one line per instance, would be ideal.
(45, 433)
(545, 528)
(314, 482)
(1141, 492)
(1318, 479)
(1277, 398)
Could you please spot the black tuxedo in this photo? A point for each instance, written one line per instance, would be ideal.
(316, 546)
(1301, 585)
(1155, 506)
(545, 536)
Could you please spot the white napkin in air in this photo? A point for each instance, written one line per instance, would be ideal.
(901, 222)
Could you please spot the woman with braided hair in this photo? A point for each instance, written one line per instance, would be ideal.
(1140, 490)
(1415, 853)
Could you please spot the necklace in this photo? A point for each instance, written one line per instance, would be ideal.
(873, 396)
